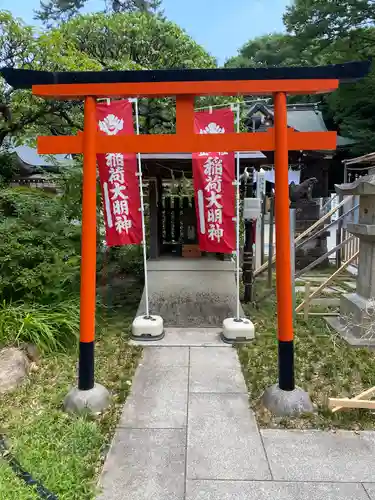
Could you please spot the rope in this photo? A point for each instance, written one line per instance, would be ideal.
(22, 474)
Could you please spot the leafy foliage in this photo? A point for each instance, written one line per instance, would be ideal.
(134, 41)
(23, 114)
(8, 168)
(118, 41)
(54, 11)
(39, 248)
(327, 21)
(326, 32)
(58, 11)
(138, 41)
(276, 49)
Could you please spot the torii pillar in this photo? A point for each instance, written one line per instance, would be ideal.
(284, 397)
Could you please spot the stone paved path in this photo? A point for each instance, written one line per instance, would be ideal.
(187, 433)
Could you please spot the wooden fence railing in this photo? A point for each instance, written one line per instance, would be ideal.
(351, 249)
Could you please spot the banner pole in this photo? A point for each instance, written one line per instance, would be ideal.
(238, 217)
(142, 212)
(237, 329)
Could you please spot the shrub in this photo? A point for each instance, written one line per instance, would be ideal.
(8, 167)
(39, 247)
(124, 260)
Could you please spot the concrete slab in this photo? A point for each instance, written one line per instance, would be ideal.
(158, 412)
(345, 333)
(165, 357)
(314, 279)
(370, 488)
(215, 370)
(353, 270)
(338, 289)
(342, 456)
(151, 382)
(187, 265)
(330, 291)
(158, 398)
(145, 464)
(351, 284)
(325, 301)
(223, 439)
(270, 490)
(190, 337)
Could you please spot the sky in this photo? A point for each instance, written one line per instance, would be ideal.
(221, 26)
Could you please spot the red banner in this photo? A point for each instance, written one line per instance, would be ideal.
(118, 178)
(213, 175)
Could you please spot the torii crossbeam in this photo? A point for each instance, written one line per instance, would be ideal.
(185, 85)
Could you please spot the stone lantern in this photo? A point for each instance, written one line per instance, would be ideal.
(357, 310)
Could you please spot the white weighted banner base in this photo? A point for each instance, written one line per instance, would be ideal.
(148, 328)
(237, 330)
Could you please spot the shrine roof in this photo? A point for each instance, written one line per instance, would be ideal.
(25, 79)
(304, 117)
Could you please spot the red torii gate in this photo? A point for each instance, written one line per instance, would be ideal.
(185, 85)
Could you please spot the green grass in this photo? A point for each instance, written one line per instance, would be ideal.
(49, 328)
(66, 452)
(326, 366)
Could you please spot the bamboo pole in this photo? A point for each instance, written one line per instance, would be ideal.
(360, 396)
(311, 266)
(262, 227)
(270, 241)
(307, 301)
(322, 257)
(331, 278)
(315, 235)
(302, 235)
(351, 403)
(325, 314)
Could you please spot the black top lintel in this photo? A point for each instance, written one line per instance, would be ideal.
(346, 72)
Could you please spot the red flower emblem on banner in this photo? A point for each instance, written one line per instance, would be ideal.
(111, 125)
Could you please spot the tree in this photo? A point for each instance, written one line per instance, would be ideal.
(20, 47)
(134, 41)
(352, 105)
(325, 21)
(331, 32)
(117, 41)
(138, 41)
(55, 12)
(276, 49)
(311, 41)
(146, 6)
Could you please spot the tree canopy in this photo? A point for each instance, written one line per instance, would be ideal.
(21, 47)
(327, 21)
(131, 34)
(276, 49)
(322, 32)
(56, 11)
(91, 42)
